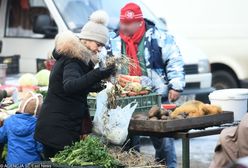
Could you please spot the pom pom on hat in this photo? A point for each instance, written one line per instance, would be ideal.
(100, 17)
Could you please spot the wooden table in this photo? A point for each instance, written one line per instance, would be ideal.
(180, 129)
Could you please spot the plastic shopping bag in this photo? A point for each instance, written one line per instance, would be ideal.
(112, 123)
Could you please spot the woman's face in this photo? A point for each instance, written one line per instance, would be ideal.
(94, 46)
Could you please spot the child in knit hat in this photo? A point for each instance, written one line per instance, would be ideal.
(18, 131)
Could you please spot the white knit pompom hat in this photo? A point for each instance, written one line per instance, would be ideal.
(96, 28)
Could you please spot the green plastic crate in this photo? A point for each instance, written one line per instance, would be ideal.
(145, 102)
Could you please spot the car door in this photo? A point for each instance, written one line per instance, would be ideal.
(18, 36)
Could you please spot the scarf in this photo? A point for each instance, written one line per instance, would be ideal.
(132, 49)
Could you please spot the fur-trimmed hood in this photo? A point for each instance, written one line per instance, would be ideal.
(68, 44)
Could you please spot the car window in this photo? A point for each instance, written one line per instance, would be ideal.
(20, 17)
(76, 12)
(114, 12)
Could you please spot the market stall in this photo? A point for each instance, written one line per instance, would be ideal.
(111, 155)
(180, 129)
(168, 120)
(148, 118)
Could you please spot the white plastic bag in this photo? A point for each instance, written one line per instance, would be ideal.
(112, 123)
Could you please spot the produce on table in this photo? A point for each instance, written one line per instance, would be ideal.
(6, 102)
(43, 77)
(187, 110)
(210, 109)
(24, 89)
(125, 79)
(125, 85)
(27, 80)
(154, 111)
(195, 109)
(88, 152)
(92, 152)
(11, 106)
(42, 91)
(128, 86)
(30, 82)
(132, 85)
(117, 91)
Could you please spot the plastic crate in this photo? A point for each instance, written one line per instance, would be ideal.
(145, 102)
(12, 63)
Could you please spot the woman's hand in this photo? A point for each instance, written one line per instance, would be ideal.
(107, 72)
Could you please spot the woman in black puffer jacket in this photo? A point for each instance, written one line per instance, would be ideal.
(72, 78)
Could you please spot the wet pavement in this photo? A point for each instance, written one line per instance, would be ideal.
(201, 150)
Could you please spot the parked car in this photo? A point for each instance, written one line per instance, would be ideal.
(219, 28)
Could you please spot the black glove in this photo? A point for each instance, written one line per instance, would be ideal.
(98, 87)
(107, 72)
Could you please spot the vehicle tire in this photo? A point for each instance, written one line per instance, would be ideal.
(223, 80)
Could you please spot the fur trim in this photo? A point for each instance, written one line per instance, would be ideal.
(68, 44)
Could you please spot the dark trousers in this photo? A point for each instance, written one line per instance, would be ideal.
(132, 143)
(50, 152)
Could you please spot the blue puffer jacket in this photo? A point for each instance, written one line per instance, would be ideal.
(18, 131)
(164, 61)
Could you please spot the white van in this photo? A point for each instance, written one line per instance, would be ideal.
(28, 28)
(219, 28)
